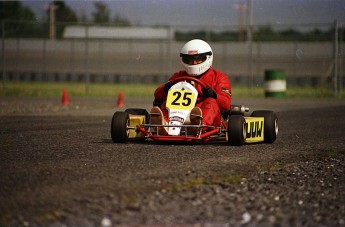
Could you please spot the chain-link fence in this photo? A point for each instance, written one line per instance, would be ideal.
(309, 55)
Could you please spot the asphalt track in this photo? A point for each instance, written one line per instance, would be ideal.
(58, 166)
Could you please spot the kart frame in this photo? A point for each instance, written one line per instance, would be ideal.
(261, 126)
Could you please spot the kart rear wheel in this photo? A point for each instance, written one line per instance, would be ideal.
(236, 130)
(270, 125)
(118, 130)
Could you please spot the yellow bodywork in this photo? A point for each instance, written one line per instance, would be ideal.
(133, 121)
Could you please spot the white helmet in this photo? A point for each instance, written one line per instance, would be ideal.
(196, 49)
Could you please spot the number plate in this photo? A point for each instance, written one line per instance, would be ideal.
(182, 96)
(181, 99)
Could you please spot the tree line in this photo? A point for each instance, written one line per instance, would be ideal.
(19, 21)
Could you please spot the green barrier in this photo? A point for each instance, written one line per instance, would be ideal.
(275, 83)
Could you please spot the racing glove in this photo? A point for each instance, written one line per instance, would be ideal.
(209, 92)
(167, 86)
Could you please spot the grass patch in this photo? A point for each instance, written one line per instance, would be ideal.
(291, 92)
(49, 89)
(309, 92)
(46, 89)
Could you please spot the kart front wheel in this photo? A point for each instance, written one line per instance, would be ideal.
(270, 125)
(118, 130)
(236, 130)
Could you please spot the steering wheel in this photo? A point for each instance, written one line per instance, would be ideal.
(179, 79)
(183, 78)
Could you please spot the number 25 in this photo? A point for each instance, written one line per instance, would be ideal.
(186, 99)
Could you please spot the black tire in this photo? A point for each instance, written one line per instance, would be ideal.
(118, 130)
(236, 130)
(138, 111)
(270, 125)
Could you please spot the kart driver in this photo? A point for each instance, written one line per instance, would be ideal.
(197, 58)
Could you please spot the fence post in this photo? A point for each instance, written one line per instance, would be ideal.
(170, 43)
(250, 42)
(44, 71)
(335, 58)
(87, 76)
(341, 38)
(3, 56)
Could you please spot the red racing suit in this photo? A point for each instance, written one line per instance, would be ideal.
(210, 107)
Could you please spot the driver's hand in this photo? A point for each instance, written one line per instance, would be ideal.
(209, 92)
(167, 86)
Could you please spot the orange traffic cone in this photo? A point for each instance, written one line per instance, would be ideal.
(65, 99)
(120, 100)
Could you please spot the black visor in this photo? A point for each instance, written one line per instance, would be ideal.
(189, 59)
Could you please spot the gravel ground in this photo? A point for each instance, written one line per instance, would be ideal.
(310, 192)
(58, 167)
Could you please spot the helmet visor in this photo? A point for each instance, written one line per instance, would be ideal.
(194, 59)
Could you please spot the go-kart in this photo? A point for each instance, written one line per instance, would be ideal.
(235, 128)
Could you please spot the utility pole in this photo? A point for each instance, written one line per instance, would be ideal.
(249, 21)
(52, 32)
(241, 7)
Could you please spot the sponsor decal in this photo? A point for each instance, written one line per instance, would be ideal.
(191, 52)
(226, 91)
(176, 118)
(177, 112)
(255, 129)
